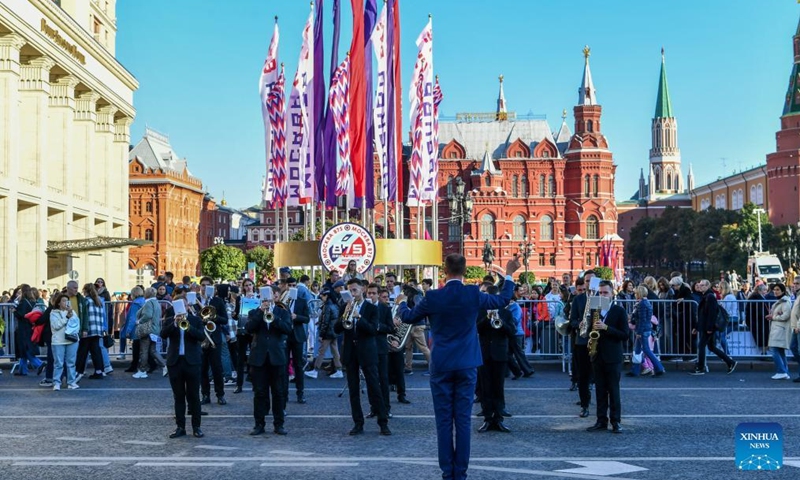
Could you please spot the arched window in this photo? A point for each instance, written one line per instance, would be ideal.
(752, 194)
(449, 185)
(542, 192)
(759, 195)
(586, 186)
(546, 228)
(590, 126)
(595, 185)
(669, 180)
(524, 185)
(658, 179)
(519, 227)
(551, 185)
(488, 180)
(741, 199)
(148, 207)
(515, 186)
(592, 228)
(148, 234)
(487, 227)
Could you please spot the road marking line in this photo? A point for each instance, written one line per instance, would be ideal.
(289, 452)
(310, 464)
(60, 464)
(602, 468)
(76, 439)
(215, 447)
(527, 417)
(426, 389)
(9, 435)
(183, 463)
(379, 459)
(139, 442)
(544, 473)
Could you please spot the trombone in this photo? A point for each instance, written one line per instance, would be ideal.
(209, 314)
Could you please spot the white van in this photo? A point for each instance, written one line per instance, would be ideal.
(765, 267)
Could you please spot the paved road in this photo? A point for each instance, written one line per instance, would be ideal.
(677, 426)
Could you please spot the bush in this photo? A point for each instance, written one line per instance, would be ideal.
(604, 273)
(529, 279)
(474, 273)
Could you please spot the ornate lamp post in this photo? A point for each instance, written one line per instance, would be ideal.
(460, 203)
(526, 249)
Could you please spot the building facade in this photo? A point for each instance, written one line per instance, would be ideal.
(166, 202)
(555, 189)
(66, 106)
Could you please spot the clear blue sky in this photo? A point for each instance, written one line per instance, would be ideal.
(728, 63)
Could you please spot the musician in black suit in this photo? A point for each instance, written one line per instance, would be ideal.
(183, 365)
(582, 371)
(296, 341)
(607, 364)
(268, 360)
(494, 350)
(212, 357)
(396, 358)
(385, 326)
(359, 351)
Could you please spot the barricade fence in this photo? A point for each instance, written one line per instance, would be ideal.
(747, 334)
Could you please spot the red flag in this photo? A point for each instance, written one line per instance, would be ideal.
(398, 99)
(358, 100)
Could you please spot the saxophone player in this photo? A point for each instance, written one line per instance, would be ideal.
(582, 371)
(185, 332)
(385, 327)
(612, 325)
(269, 325)
(360, 326)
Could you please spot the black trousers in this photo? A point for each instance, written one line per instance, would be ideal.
(517, 362)
(86, 346)
(298, 358)
(383, 379)
(242, 343)
(185, 382)
(606, 386)
(268, 379)
(582, 374)
(396, 372)
(212, 358)
(492, 375)
(373, 391)
(706, 340)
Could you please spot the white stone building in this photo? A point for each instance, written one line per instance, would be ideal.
(66, 106)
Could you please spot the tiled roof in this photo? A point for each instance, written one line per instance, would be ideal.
(155, 151)
(499, 135)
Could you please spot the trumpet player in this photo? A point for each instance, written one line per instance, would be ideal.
(385, 327)
(269, 325)
(296, 342)
(185, 332)
(496, 331)
(612, 325)
(212, 356)
(360, 326)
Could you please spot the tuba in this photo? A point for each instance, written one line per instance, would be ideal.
(400, 335)
(209, 315)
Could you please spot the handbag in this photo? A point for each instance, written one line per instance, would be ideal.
(71, 337)
(108, 340)
(72, 329)
(636, 358)
(143, 330)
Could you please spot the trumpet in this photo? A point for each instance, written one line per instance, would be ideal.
(350, 316)
(183, 324)
(495, 320)
(269, 317)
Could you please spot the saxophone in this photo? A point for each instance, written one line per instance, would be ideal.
(594, 335)
(583, 328)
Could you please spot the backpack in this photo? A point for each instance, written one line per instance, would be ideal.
(722, 319)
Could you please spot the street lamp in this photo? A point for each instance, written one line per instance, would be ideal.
(460, 204)
(759, 211)
(526, 248)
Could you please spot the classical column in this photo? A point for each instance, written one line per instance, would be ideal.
(9, 108)
(82, 164)
(104, 177)
(60, 133)
(122, 140)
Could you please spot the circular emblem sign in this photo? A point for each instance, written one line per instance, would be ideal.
(345, 242)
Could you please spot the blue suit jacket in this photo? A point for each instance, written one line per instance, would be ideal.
(453, 313)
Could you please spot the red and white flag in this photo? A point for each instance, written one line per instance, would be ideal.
(269, 75)
(380, 111)
(300, 140)
(421, 96)
(339, 107)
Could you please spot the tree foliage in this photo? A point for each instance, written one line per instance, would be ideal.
(222, 262)
(474, 273)
(529, 279)
(604, 273)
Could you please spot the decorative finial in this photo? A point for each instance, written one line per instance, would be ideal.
(662, 52)
(501, 78)
(276, 19)
(586, 52)
(437, 78)
(430, 16)
(564, 114)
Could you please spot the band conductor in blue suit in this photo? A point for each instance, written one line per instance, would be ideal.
(456, 354)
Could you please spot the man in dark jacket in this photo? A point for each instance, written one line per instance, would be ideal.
(269, 326)
(212, 357)
(385, 327)
(296, 341)
(582, 372)
(706, 326)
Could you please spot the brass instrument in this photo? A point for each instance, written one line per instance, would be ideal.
(350, 316)
(269, 317)
(594, 335)
(583, 328)
(400, 335)
(183, 324)
(209, 314)
(494, 319)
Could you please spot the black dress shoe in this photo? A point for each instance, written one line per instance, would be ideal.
(500, 427)
(205, 400)
(202, 413)
(179, 432)
(516, 377)
(237, 390)
(403, 399)
(573, 387)
(301, 399)
(615, 427)
(222, 401)
(358, 429)
(385, 430)
(529, 374)
(257, 430)
(280, 431)
(197, 433)
(371, 415)
(484, 427)
(597, 427)
(506, 414)
(132, 369)
(584, 413)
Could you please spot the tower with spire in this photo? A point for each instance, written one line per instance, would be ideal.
(665, 156)
(502, 113)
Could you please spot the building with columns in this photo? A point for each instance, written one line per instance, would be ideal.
(66, 106)
(555, 188)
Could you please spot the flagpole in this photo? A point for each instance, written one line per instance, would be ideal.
(285, 222)
(277, 225)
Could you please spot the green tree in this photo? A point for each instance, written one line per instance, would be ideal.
(605, 273)
(263, 258)
(474, 273)
(529, 279)
(222, 262)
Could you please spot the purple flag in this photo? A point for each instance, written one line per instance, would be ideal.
(370, 17)
(391, 153)
(319, 105)
(330, 130)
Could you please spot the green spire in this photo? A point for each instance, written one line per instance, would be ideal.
(663, 104)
